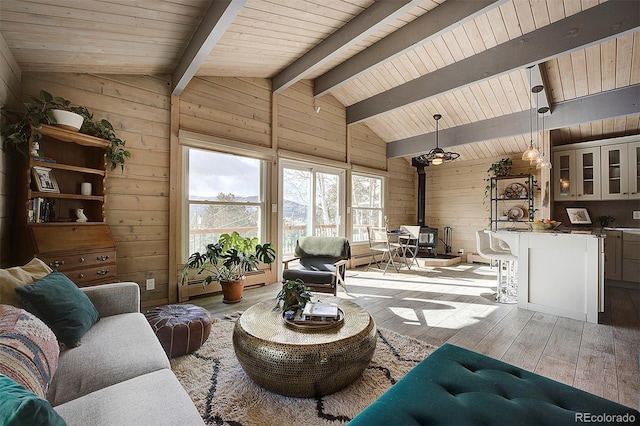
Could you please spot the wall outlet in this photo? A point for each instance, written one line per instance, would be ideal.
(636, 214)
(151, 283)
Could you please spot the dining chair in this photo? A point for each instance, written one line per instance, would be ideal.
(379, 244)
(408, 239)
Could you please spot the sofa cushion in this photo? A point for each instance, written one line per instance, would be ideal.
(457, 386)
(116, 349)
(17, 276)
(155, 398)
(61, 305)
(20, 407)
(28, 349)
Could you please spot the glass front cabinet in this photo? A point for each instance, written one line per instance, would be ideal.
(597, 170)
(564, 175)
(615, 172)
(633, 150)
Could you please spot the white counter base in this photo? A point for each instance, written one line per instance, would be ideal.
(559, 274)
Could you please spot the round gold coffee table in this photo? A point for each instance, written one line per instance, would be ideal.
(301, 362)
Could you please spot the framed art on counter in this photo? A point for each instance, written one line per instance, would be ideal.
(578, 216)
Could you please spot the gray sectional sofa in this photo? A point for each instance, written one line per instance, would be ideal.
(119, 375)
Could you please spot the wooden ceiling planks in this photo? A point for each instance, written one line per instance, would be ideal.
(148, 36)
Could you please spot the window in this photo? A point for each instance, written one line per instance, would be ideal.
(312, 202)
(224, 193)
(367, 207)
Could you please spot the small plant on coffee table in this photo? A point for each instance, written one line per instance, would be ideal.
(294, 295)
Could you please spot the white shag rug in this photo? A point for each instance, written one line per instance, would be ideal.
(225, 395)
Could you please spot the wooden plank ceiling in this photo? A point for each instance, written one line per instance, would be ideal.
(268, 38)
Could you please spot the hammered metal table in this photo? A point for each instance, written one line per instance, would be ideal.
(300, 362)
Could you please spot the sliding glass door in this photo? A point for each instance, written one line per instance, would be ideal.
(311, 202)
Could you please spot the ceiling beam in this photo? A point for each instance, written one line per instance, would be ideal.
(601, 106)
(594, 25)
(450, 14)
(362, 26)
(218, 18)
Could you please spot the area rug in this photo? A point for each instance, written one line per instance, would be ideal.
(225, 395)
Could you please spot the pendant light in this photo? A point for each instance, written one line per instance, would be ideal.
(532, 153)
(437, 155)
(543, 162)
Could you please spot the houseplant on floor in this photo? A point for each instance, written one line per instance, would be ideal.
(20, 128)
(228, 262)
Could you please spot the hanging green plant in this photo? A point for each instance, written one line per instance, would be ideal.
(20, 127)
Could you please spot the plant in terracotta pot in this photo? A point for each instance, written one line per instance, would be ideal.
(294, 295)
(20, 127)
(228, 262)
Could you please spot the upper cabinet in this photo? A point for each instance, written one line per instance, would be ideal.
(633, 150)
(598, 170)
(615, 172)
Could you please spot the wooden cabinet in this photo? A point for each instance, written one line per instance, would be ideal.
(577, 174)
(631, 257)
(597, 170)
(588, 174)
(633, 150)
(48, 200)
(71, 158)
(86, 253)
(564, 175)
(613, 255)
(615, 172)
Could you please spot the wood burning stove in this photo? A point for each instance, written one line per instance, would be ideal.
(428, 240)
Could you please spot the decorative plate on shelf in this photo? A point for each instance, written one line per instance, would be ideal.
(515, 190)
(515, 213)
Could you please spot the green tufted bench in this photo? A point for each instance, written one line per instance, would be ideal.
(460, 387)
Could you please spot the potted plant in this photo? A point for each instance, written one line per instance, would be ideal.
(228, 262)
(605, 220)
(500, 168)
(294, 295)
(20, 127)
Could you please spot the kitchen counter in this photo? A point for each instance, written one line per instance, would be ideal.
(560, 272)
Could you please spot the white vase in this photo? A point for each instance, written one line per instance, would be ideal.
(85, 188)
(67, 119)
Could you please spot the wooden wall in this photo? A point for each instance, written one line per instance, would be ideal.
(137, 205)
(10, 76)
(243, 110)
(455, 198)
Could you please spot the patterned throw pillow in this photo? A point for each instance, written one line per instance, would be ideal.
(28, 349)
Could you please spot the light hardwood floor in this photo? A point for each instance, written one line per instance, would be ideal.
(454, 304)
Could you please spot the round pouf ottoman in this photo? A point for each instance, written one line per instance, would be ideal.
(181, 329)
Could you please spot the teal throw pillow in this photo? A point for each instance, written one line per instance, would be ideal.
(20, 407)
(61, 305)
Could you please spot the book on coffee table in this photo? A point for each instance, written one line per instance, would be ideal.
(320, 311)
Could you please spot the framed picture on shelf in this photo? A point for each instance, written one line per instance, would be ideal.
(44, 179)
(578, 216)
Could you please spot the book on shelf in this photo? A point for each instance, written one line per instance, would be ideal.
(320, 311)
(40, 210)
(45, 159)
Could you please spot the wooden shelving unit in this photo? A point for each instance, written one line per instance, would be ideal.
(78, 158)
(84, 251)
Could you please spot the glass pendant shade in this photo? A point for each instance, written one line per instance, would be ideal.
(531, 154)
